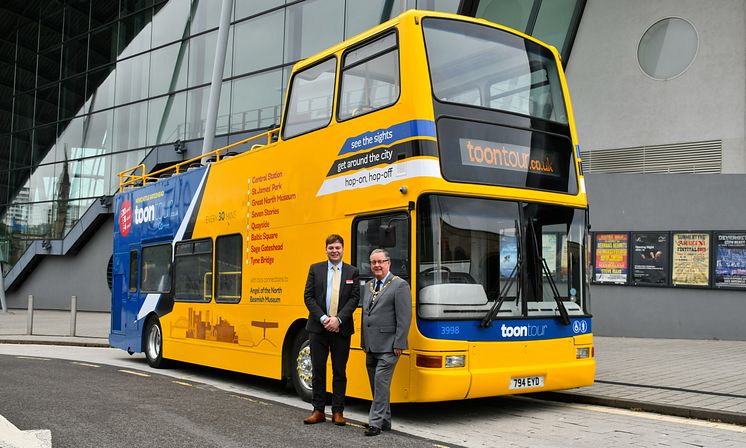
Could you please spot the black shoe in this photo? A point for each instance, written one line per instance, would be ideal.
(372, 431)
(384, 427)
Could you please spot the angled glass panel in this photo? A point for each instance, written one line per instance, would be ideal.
(553, 22)
(101, 85)
(312, 26)
(258, 43)
(256, 101)
(168, 69)
(196, 109)
(511, 13)
(43, 144)
(23, 111)
(74, 56)
(170, 22)
(202, 58)
(20, 150)
(72, 97)
(42, 217)
(121, 162)
(46, 104)
(132, 79)
(49, 67)
(135, 33)
(439, 5)
(365, 14)
(103, 46)
(243, 8)
(166, 119)
(129, 124)
(97, 131)
(206, 16)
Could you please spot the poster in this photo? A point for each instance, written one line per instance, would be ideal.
(611, 258)
(549, 251)
(650, 258)
(508, 255)
(691, 259)
(730, 262)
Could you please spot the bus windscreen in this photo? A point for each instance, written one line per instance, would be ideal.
(482, 66)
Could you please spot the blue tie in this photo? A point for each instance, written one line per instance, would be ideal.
(378, 285)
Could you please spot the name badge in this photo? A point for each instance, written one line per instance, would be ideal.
(348, 282)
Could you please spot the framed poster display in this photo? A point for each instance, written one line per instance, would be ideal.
(611, 258)
(650, 258)
(730, 260)
(690, 259)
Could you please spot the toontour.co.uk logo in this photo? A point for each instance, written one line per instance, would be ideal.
(125, 218)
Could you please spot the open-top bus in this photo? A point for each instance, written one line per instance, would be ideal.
(448, 141)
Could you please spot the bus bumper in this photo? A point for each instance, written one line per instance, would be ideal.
(489, 368)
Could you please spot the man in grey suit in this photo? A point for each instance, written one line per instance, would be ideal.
(387, 313)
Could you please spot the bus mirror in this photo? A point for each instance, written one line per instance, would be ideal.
(387, 235)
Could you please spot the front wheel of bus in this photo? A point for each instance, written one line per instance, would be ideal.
(154, 344)
(301, 372)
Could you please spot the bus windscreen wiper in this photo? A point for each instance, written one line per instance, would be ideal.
(564, 317)
(492, 313)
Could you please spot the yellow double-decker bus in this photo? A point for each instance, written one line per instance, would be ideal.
(446, 140)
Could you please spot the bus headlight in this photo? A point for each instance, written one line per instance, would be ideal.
(455, 361)
(582, 352)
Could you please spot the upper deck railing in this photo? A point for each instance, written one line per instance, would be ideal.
(138, 176)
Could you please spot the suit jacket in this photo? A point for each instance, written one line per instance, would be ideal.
(315, 297)
(385, 324)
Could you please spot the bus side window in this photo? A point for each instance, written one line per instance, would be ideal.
(311, 99)
(133, 271)
(193, 270)
(228, 252)
(370, 77)
(390, 232)
(156, 269)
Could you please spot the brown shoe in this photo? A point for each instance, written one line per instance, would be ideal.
(316, 417)
(338, 418)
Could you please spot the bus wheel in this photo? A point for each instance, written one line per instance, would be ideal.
(154, 344)
(301, 372)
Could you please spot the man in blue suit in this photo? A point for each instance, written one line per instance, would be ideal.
(332, 293)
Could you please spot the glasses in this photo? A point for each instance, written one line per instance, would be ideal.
(377, 262)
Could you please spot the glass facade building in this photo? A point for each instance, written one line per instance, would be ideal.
(90, 87)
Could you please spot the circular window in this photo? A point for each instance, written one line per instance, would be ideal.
(667, 48)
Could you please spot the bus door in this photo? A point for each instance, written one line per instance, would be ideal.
(389, 231)
(131, 300)
(119, 286)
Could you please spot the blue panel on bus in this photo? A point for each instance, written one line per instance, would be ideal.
(389, 136)
(161, 212)
(503, 330)
(155, 212)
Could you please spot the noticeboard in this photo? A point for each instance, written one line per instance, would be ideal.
(730, 260)
(611, 264)
(691, 259)
(650, 256)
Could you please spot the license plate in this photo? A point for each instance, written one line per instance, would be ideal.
(526, 382)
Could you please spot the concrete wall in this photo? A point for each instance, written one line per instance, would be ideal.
(56, 278)
(618, 106)
(665, 203)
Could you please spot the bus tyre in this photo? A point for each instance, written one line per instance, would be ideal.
(301, 372)
(154, 344)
